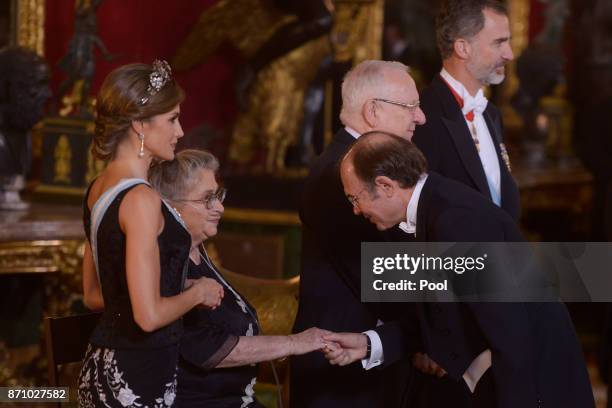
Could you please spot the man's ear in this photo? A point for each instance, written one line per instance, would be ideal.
(386, 185)
(462, 48)
(370, 114)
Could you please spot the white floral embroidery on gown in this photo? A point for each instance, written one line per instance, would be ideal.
(249, 331)
(114, 381)
(249, 392)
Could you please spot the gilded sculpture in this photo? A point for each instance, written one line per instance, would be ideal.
(285, 47)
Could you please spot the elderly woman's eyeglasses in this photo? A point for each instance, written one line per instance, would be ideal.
(210, 199)
(410, 106)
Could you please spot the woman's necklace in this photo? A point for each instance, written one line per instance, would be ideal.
(204, 257)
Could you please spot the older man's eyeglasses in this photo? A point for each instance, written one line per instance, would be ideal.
(410, 106)
(210, 199)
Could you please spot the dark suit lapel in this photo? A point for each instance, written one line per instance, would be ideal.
(494, 126)
(495, 130)
(509, 189)
(460, 134)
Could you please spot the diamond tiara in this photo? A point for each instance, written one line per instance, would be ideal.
(161, 74)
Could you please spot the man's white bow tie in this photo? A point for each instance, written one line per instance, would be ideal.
(477, 103)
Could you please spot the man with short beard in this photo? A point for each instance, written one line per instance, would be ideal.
(463, 138)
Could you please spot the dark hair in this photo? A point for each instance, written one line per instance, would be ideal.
(119, 103)
(462, 19)
(379, 153)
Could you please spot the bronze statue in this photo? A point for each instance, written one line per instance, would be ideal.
(79, 61)
(24, 91)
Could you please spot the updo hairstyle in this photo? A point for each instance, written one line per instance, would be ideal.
(120, 102)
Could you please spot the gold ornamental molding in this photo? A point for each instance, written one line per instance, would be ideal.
(31, 25)
(41, 256)
(266, 217)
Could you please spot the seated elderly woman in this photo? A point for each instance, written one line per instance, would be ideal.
(220, 347)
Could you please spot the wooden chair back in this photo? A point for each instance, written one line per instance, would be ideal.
(66, 341)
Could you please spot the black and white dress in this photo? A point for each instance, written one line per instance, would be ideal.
(125, 366)
(210, 335)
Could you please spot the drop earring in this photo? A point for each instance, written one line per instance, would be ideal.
(141, 151)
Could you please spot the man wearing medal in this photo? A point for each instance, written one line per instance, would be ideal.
(463, 138)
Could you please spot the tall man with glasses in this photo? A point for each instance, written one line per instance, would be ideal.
(376, 95)
(463, 137)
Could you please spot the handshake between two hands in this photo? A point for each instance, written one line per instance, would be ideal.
(339, 348)
(345, 348)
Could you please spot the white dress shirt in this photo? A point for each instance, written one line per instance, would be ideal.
(487, 152)
(376, 350)
(409, 226)
(352, 132)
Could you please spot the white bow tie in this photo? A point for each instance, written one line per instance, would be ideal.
(477, 103)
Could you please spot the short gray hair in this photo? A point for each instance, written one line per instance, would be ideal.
(361, 82)
(462, 19)
(174, 179)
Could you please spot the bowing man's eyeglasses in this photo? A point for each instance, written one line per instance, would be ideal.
(354, 199)
(210, 199)
(410, 106)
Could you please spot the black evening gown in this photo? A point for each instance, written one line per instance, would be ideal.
(210, 335)
(125, 366)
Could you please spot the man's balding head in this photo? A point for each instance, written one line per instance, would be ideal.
(380, 153)
(378, 174)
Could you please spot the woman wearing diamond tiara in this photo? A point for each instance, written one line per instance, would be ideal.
(220, 348)
(134, 266)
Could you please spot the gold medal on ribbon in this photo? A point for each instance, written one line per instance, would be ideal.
(505, 157)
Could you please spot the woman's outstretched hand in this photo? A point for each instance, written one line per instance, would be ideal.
(307, 341)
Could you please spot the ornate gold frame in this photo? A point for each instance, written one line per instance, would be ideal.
(43, 256)
(30, 16)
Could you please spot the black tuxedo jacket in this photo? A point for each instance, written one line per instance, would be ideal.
(330, 289)
(446, 142)
(537, 361)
